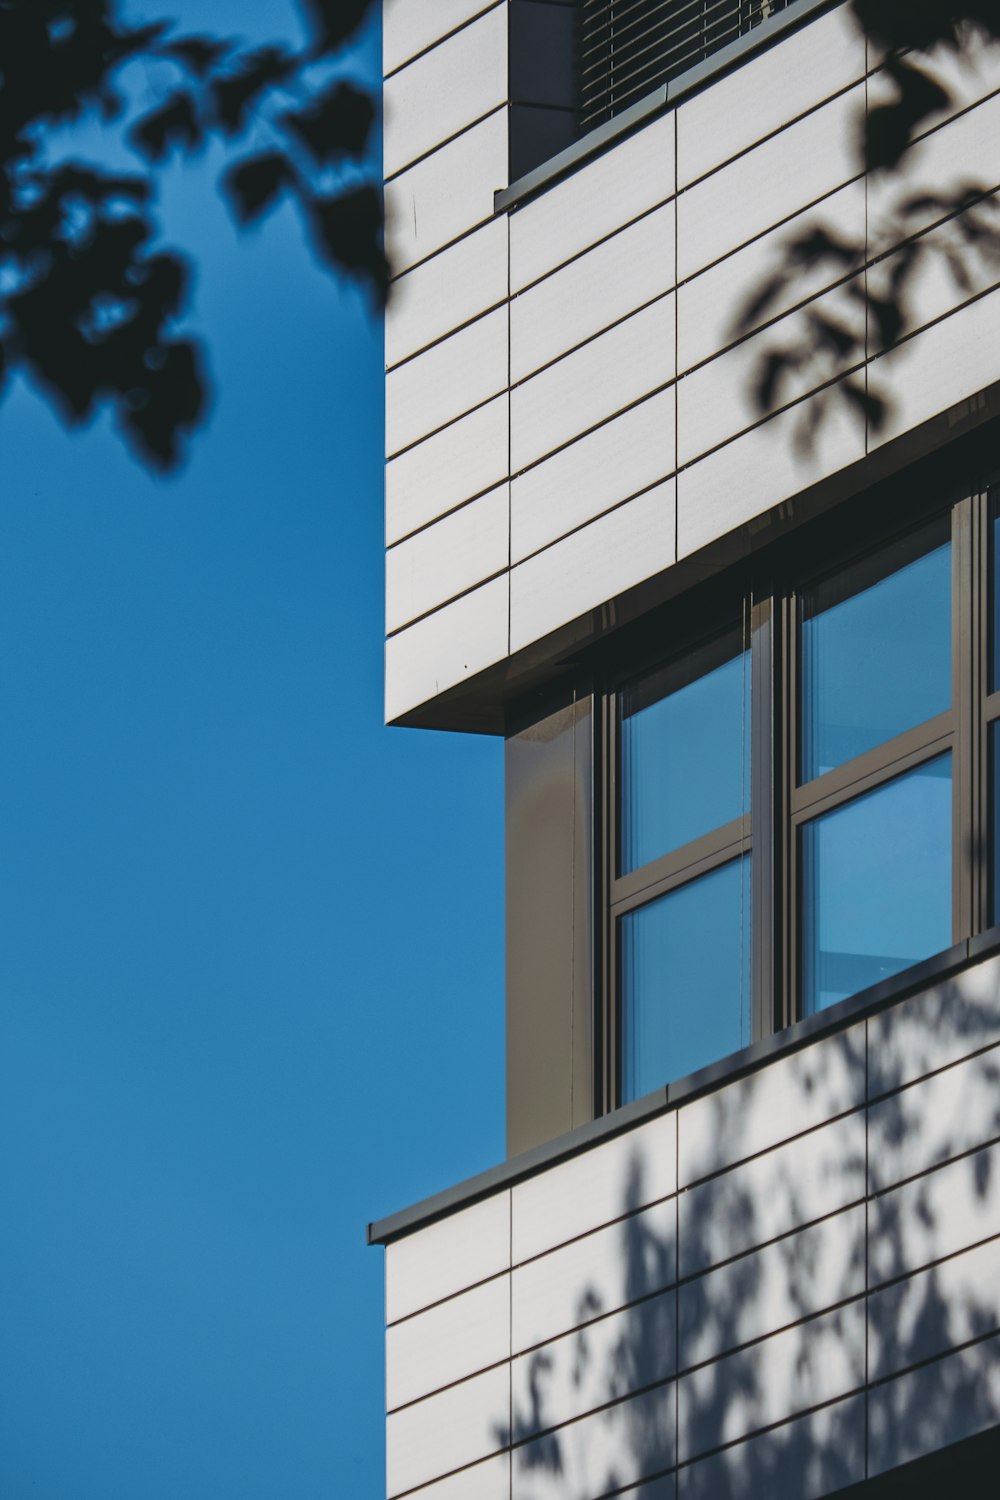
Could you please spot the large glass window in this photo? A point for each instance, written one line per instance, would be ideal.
(876, 884)
(681, 893)
(875, 694)
(858, 712)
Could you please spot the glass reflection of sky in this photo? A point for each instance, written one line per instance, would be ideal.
(685, 764)
(685, 979)
(875, 664)
(876, 885)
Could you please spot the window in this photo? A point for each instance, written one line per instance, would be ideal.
(809, 802)
(628, 48)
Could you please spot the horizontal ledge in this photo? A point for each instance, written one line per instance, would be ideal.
(749, 1060)
(667, 96)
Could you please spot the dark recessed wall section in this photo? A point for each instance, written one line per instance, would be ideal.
(544, 81)
(549, 782)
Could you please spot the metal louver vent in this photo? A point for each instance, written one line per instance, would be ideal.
(630, 47)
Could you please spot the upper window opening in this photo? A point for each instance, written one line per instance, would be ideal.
(630, 47)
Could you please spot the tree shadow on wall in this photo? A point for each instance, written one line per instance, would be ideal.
(807, 1272)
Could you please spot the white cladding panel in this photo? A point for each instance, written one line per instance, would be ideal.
(447, 558)
(767, 93)
(445, 90)
(601, 560)
(708, 193)
(811, 1320)
(595, 201)
(592, 292)
(446, 291)
(586, 387)
(438, 474)
(591, 475)
(447, 646)
(411, 26)
(446, 194)
(445, 381)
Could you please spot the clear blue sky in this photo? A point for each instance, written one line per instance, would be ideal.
(250, 940)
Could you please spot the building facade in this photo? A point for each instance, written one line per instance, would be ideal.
(745, 656)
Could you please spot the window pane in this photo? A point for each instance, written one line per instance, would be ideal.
(685, 979)
(876, 885)
(995, 822)
(684, 756)
(875, 657)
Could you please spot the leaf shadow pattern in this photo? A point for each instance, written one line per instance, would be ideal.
(90, 310)
(828, 1306)
(874, 285)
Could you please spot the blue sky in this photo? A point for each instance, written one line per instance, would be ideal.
(250, 940)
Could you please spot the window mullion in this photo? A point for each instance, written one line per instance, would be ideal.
(763, 804)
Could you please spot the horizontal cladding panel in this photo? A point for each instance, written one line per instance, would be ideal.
(445, 648)
(447, 1431)
(935, 1311)
(595, 1365)
(941, 1025)
(784, 1189)
(932, 1121)
(623, 1174)
(934, 292)
(746, 478)
(448, 1342)
(465, 458)
(446, 1257)
(767, 92)
(964, 85)
(446, 194)
(940, 368)
(950, 1209)
(593, 1275)
(767, 184)
(791, 1096)
(592, 292)
(709, 305)
(965, 150)
(803, 1274)
(446, 381)
(411, 26)
(936, 1405)
(805, 1459)
(446, 291)
(489, 1479)
(599, 1453)
(718, 400)
(584, 388)
(445, 90)
(582, 481)
(596, 200)
(447, 558)
(585, 570)
(804, 1366)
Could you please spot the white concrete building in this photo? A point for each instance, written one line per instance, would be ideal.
(747, 1239)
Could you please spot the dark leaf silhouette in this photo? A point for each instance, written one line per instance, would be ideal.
(337, 124)
(348, 230)
(255, 183)
(954, 224)
(91, 307)
(173, 124)
(237, 91)
(199, 54)
(333, 22)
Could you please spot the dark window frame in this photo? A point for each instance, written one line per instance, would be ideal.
(767, 591)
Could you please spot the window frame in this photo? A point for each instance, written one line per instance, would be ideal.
(767, 591)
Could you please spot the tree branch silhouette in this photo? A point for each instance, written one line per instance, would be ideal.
(874, 278)
(90, 308)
